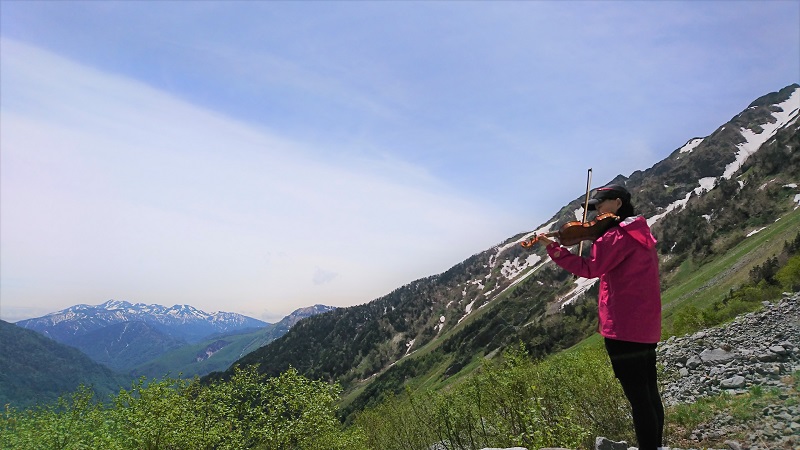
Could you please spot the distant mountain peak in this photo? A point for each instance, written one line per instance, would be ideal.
(114, 304)
(183, 321)
(312, 310)
(301, 313)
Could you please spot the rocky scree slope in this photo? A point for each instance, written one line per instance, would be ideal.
(757, 349)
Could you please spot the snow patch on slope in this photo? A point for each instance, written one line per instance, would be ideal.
(691, 145)
(581, 285)
(753, 141)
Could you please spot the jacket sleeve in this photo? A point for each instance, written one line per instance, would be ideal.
(607, 251)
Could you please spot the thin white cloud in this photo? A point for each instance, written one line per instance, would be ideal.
(322, 276)
(112, 189)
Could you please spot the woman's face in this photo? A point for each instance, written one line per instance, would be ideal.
(609, 206)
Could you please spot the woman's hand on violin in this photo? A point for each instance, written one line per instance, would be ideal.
(542, 239)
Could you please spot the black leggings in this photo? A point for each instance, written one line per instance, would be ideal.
(635, 366)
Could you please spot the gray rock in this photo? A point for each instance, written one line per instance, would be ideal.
(602, 443)
(733, 445)
(778, 349)
(716, 356)
(734, 382)
(767, 357)
(518, 448)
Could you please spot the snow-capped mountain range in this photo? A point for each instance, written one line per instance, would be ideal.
(179, 321)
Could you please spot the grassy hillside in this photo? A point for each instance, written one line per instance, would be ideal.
(217, 353)
(701, 285)
(192, 360)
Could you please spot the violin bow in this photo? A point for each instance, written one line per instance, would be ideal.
(586, 205)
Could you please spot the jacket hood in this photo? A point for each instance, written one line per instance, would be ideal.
(638, 229)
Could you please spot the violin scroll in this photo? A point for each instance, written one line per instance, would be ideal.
(530, 242)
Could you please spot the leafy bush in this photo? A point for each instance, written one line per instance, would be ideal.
(73, 422)
(789, 275)
(563, 401)
(248, 412)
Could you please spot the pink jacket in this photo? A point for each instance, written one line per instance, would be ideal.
(625, 259)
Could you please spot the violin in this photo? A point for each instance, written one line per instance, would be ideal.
(576, 231)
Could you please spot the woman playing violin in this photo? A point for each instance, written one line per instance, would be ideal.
(629, 304)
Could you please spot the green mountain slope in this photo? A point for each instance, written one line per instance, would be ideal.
(124, 345)
(199, 359)
(37, 369)
(220, 352)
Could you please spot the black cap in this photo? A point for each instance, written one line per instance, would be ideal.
(607, 192)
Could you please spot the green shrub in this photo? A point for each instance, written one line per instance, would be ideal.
(789, 275)
(563, 401)
(250, 411)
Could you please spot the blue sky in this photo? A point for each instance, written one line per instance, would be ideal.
(258, 157)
